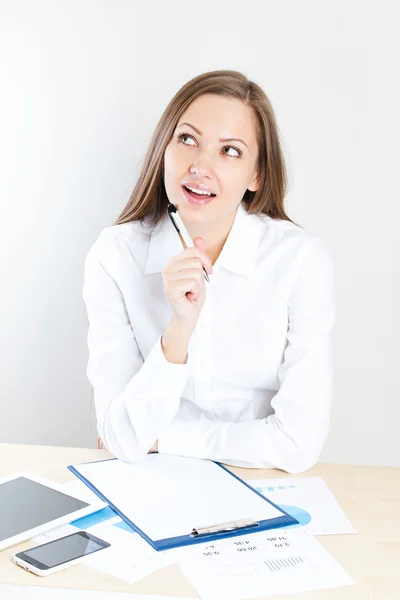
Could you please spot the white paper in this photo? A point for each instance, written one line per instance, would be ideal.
(54, 534)
(129, 557)
(78, 488)
(16, 592)
(168, 496)
(262, 564)
(310, 501)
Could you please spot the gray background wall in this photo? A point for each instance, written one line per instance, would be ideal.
(83, 83)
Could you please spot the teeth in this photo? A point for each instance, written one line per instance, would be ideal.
(199, 191)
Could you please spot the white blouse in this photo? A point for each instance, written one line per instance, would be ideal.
(257, 386)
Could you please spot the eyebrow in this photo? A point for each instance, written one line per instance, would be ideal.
(221, 139)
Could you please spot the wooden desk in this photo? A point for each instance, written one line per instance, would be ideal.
(370, 497)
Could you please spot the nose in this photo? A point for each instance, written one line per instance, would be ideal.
(202, 167)
(200, 171)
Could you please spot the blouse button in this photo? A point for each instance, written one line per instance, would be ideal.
(203, 325)
(202, 364)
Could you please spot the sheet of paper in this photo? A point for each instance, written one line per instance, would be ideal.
(309, 500)
(77, 487)
(16, 592)
(195, 493)
(129, 557)
(262, 564)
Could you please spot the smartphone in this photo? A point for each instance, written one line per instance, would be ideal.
(59, 554)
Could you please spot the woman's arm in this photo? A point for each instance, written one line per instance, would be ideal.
(292, 438)
(135, 399)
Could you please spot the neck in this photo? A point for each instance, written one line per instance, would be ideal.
(215, 234)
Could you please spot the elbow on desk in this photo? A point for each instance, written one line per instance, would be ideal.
(297, 449)
(134, 453)
(302, 457)
(299, 464)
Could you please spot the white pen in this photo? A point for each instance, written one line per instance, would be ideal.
(181, 229)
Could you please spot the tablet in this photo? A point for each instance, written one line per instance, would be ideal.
(30, 504)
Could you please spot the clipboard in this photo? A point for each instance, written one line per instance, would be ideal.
(174, 501)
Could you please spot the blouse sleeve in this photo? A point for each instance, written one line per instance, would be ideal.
(135, 399)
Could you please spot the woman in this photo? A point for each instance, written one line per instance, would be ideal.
(238, 369)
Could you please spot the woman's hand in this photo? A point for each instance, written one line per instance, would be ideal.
(184, 285)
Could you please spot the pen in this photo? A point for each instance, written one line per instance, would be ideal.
(181, 229)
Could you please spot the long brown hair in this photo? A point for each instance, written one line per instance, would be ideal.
(149, 199)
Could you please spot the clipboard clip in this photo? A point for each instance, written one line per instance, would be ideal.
(222, 527)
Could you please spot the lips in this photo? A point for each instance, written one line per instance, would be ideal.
(194, 185)
(198, 191)
(197, 199)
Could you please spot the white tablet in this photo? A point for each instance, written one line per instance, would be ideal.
(30, 504)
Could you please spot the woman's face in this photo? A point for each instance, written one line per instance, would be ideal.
(214, 147)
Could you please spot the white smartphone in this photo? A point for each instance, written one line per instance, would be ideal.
(59, 554)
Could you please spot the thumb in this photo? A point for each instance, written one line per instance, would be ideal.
(200, 243)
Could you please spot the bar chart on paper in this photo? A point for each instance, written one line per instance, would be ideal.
(310, 501)
(246, 568)
(282, 563)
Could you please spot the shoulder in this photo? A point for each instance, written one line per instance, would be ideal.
(280, 231)
(117, 240)
(291, 238)
(293, 249)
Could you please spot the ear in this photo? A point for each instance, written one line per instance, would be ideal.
(254, 183)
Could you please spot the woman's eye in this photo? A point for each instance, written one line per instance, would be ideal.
(182, 137)
(236, 150)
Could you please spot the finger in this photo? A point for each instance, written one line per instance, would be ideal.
(195, 293)
(200, 242)
(188, 263)
(185, 287)
(187, 274)
(191, 253)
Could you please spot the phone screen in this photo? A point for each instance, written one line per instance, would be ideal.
(63, 550)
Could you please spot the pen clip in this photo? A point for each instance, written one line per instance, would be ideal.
(171, 210)
(222, 527)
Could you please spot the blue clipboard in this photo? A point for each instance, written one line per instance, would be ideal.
(204, 534)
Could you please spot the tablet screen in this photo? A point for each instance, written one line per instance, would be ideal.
(25, 504)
